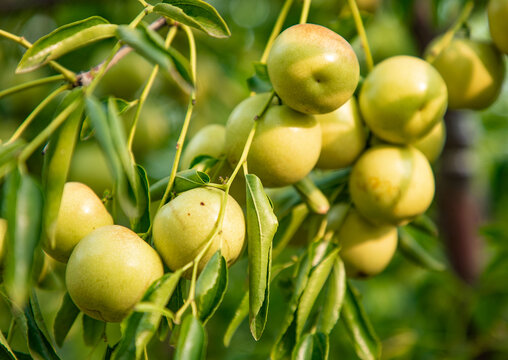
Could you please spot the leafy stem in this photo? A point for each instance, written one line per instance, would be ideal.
(361, 33)
(31, 84)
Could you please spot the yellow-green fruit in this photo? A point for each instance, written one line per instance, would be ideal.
(3, 233)
(431, 145)
(109, 271)
(182, 227)
(473, 72)
(286, 145)
(313, 69)
(402, 99)
(391, 184)
(497, 11)
(343, 136)
(210, 140)
(366, 249)
(81, 212)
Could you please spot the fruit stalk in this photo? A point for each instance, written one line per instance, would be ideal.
(361, 33)
(305, 11)
(276, 29)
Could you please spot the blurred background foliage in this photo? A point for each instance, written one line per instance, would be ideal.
(417, 314)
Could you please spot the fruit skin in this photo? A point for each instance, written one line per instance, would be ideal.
(313, 69)
(109, 271)
(181, 228)
(343, 136)
(210, 140)
(286, 145)
(473, 72)
(391, 184)
(366, 249)
(431, 145)
(81, 212)
(497, 11)
(402, 99)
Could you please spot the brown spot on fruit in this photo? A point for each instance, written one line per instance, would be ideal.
(202, 203)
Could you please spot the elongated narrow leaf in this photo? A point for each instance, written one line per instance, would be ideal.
(316, 282)
(211, 286)
(426, 224)
(65, 317)
(312, 347)
(361, 333)
(23, 211)
(190, 179)
(412, 250)
(8, 152)
(261, 228)
(313, 197)
(57, 161)
(150, 45)
(64, 40)
(142, 224)
(5, 350)
(140, 327)
(334, 298)
(195, 13)
(93, 330)
(288, 227)
(192, 340)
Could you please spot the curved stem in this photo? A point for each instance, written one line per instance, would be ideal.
(362, 34)
(35, 112)
(448, 36)
(276, 29)
(192, 51)
(305, 11)
(31, 84)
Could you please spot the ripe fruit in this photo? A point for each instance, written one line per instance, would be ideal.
(81, 212)
(343, 136)
(366, 249)
(286, 145)
(210, 140)
(402, 99)
(313, 69)
(473, 72)
(497, 11)
(391, 184)
(182, 226)
(109, 271)
(431, 145)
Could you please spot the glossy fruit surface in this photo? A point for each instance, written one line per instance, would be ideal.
(431, 145)
(182, 226)
(81, 212)
(209, 140)
(473, 72)
(109, 271)
(366, 249)
(286, 145)
(497, 11)
(343, 136)
(313, 69)
(402, 99)
(391, 184)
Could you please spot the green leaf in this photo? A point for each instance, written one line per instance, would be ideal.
(412, 250)
(211, 286)
(257, 85)
(312, 347)
(203, 162)
(190, 179)
(361, 333)
(312, 196)
(314, 285)
(334, 298)
(8, 154)
(195, 13)
(150, 45)
(65, 317)
(93, 330)
(426, 224)
(5, 350)
(261, 228)
(64, 40)
(142, 224)
(140, 327)
(192, 340)
(288, 227)
(57, 162)
(23, 212)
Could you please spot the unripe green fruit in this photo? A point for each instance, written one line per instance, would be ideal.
(402, 99)
(391, 184)
(313, 69)
(473, 72)
(431, 145)
(286, 145)
(366, 249)
(81, 212)
(89, 156)
(109, 271)
(210, 140)
(498, 13)
(343, 136)
(182, 227)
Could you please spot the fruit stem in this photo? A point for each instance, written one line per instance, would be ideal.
(448, 36)
(35, 112)
(31, 84)
(362, 34)
(305, 11)
(276, 29)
